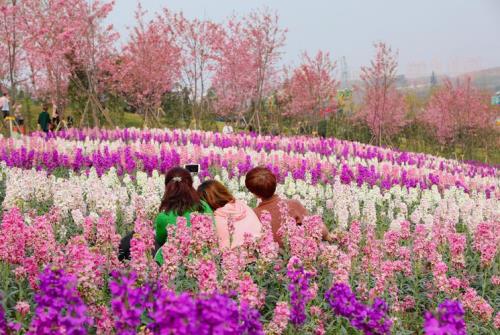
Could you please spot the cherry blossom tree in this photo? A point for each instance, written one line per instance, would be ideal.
(149, 65)
(311, 88)
(247, 63)
(65, 38)
(199, 41)
(383, 107)
(458, 110)
(234, 80)
(10, 44)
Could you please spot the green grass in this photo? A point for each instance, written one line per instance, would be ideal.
(132, 120)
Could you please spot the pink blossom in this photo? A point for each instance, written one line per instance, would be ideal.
(23, 308)
(267, 247)
(280, 319)
(496, 321)
(477, 305)
(206, 274)
(486, 241)
(249, 292)
(14, 234)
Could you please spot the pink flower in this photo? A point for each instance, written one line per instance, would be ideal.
(391, 241)
(477, 305)
(353, 239)
(486, 241)
(104, 319)
(206, 274)
(202, 233)
(249, 293)
(320, 328)
(440, 278)
(23, 308)
(140, 247)
(266, 246)
(14, 235)
(280, 319)
(495, 280)
(408, 303)
(87, 265)
(457, 247)
(232, 265)
(496, 321)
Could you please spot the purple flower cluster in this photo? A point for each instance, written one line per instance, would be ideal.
(169, 313)
(205, 315)
(128, 303)
(449, 320)
(60, 310)
(370, 320)
(299, 291)
(3, 322)
(126, 159)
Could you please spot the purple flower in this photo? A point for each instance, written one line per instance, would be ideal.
(169, 313)
(128, 303)
(370, 320)
(59, 310)
(299, 290)
(343, 301)
(3, 322)
(449, 320)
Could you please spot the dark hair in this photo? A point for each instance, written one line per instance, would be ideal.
(215, 194)
(180, 196)
(261, 182)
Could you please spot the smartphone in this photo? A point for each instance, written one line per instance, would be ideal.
(193, 168)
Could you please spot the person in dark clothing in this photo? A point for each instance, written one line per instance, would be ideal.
(44, 119)
(69, 121)
(124, 248)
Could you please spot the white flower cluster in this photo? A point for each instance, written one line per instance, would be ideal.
(82, 194)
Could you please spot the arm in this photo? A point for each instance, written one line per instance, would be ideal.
(301, 211)
(222, 232)
(161, 223)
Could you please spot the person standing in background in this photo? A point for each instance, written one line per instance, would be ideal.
(228, 129)
(18, 114)
(55, 117)
(4, 103)
(44, 119)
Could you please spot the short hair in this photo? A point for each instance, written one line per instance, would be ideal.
(261, 182)
(215, 194)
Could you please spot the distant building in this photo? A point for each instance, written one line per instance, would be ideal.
(433, 79)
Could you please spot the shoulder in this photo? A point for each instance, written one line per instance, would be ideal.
(295, 205)
(163, 217)
(206, 208)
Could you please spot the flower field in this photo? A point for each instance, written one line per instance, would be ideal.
(415, 239)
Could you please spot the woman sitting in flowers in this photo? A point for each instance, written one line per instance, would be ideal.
(233, 218)
(179, 200)
(262, 183)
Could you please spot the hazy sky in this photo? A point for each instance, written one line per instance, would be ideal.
(448, 36)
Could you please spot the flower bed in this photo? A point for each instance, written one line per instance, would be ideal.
(405, 259)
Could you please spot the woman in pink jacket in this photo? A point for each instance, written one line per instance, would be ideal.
(230, 215)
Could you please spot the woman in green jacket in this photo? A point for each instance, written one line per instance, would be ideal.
(179, 200)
